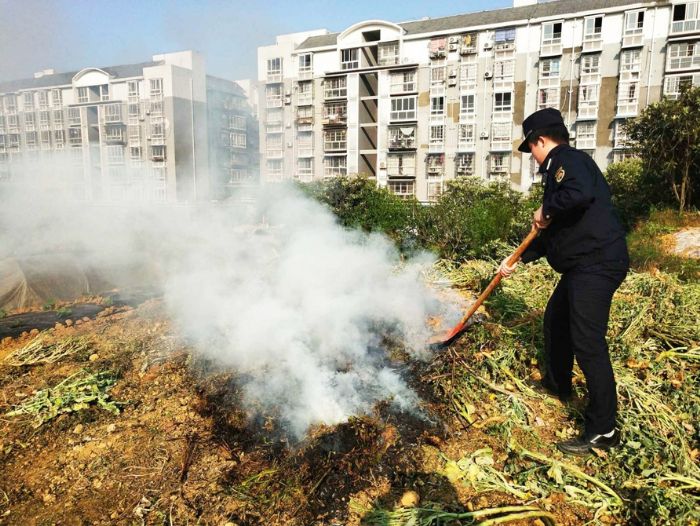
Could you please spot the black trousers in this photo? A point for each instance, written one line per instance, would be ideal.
(575, 325)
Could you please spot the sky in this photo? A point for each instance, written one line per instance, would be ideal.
(68, 35)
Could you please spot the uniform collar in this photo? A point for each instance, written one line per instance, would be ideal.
(550, 157)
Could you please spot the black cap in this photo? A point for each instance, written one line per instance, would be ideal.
(545, 118)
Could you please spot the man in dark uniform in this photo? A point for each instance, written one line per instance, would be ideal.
(584, 241)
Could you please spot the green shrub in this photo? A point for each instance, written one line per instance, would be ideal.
(632, 192)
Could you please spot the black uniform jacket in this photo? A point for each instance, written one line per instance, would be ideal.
(585, 229)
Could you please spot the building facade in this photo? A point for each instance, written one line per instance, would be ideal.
(157, 131)
(418, 103)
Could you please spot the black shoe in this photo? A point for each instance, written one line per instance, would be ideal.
(552, 388)
(583, 444)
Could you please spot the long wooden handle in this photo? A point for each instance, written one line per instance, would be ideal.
(494, 282)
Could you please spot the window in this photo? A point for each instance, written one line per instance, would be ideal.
(103, 92)
(620, 134)
(335, 87)
(437, 106)
(305, 95)
(13, 123)
(438, 73)
(592, 28)
(630, 60)
(402, 137)
(2, 123)
(44, 120)
(28, 99)
(499, 164)
(590, 68)
(549, 72)
(403, 108)
(551, 38)
(548, 98)
(157, 130)
(505, 35)
(633, 29)
(43, 100)
(467, 136)
(389, 54)
(155, 108)
(273, 96)
(501, 135)
(675, 84)
(335, 140)
(274, 70)
(588, 100)
(114, 133)
(31, 140)
(467, 108)
(436, 47)
(305, 65)
(58, 118)
(335, 112)
(113, 113)
(10, 103)
(305, 167)
(29, 121)
(238, 140)
(59, 138)
(503, 69)
(115, 154)
(158, 152)
(437, 137)
(585, 135)
(467, 75)
(75, 136)
(134, 110)
(56, 97)
(401, 165)
(683, 55)
(133, 90)
(502, 102)
(134, 131)
(349, 59)
(403, 81)
(402, 189)
(435, 190)
(435, 164)
(237, 122)
(156, 88)
(464, 164)
(686, 17)
(82, 95)
(135, 153)
(335, 166)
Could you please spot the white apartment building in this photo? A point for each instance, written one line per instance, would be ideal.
(415, 104)
(163, 130)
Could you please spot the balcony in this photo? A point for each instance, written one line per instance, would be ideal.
(592, 43)
(588, 110)
(305, 150)
(274, 153)
(305, 74)
(403, 143)
(550, 48)
(685, 26)
(113, 135)
(334, 119)
(273, 102)
(633, 39)
(585, 143)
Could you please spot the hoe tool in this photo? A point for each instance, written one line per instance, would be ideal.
(443, 340)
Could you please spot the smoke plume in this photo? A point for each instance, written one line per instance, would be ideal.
(275, 290)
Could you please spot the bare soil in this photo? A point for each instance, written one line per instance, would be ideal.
(184, 451)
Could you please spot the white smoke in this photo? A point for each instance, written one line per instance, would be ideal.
(276, 291)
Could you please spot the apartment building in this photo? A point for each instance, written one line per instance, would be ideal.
(415, 104)
(162, 130)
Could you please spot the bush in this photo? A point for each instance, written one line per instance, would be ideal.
(473, 219)
(632, 193)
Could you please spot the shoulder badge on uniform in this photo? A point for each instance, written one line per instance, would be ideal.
(559, 175)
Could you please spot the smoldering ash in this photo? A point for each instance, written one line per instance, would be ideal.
(277, 292)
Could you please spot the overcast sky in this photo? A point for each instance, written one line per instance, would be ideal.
(68, 35)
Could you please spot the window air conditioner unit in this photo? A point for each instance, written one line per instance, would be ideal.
(452, 82)
(484, 135)
(572, 135)
(382, 166)
(488, 75)
(454, 40)
(289, 145)
(488, 45)
(453, 73)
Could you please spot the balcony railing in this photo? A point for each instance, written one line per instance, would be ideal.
(592, 42)
(550, 47)
(334, 119)
(633, 38)
(685, 26)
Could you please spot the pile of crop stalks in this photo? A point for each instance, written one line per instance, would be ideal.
(654, 476)
(39, 351)
(76, 393)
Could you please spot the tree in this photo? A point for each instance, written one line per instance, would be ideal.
(666, 136)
